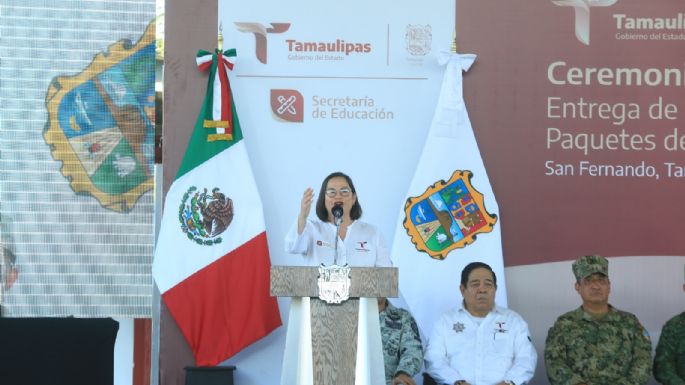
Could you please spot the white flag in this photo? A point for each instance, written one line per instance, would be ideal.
(450, 217)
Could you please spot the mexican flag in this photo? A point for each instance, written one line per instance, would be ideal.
(450, 216)
(212, 261)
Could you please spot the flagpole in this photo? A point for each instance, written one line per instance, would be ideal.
(220, 39)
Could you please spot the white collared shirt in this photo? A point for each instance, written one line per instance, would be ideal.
(364, 245)
(497, 349)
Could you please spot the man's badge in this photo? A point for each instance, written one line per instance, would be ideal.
(458, 327)
(448, 215)
(204, 216)
(101, 124)
(334, 283)
(500, 327)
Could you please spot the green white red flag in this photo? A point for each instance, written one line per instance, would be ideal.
(212, 261)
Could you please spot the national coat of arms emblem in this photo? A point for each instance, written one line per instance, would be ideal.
(101, 124)
(204, 215)
(448, 215)
(334, 283)
(418, 39)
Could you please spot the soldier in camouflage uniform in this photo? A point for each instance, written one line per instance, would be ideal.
(669, 363)
(402, 350)
(597, 344)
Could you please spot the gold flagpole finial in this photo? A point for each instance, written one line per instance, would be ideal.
(220, 39)
(453, 47)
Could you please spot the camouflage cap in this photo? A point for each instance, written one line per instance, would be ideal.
(590, 264)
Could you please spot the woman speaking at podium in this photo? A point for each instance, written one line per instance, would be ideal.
(336, 236)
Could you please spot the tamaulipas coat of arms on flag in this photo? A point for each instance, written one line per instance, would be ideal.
(448, 215)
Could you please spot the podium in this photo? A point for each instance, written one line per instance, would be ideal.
(334, 327)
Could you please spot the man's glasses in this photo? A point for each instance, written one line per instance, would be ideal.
(344, 192)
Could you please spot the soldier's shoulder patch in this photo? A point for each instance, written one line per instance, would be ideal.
(448, 215)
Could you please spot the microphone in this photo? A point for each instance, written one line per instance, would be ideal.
(337, 211)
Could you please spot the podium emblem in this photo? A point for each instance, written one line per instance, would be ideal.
(447, 216)
(334, 283)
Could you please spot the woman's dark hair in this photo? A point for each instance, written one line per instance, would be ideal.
(322, 213)
(473, 266)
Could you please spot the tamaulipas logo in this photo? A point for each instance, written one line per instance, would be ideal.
(204, 216)
(260, 34)
(327, 49)
(581, 9)
(447, 216)
(101, 124)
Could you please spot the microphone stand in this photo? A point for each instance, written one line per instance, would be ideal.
(338, 221)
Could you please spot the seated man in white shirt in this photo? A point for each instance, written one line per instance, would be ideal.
(480, 343)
